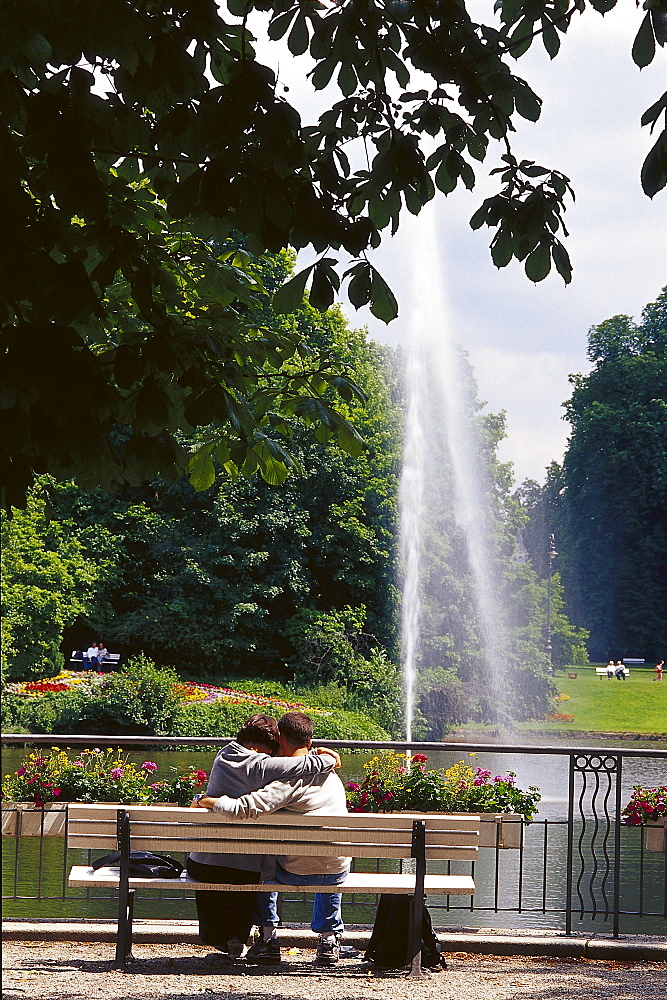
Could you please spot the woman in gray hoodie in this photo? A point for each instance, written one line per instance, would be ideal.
(244, 765)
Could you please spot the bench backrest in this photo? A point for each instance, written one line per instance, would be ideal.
(361, 835)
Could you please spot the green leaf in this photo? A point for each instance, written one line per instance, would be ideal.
(201, 469)
(538, 263)
(321, 291)
(383, 302)
(550, 39)
(654, 169)
(501, 248)
(528, 104)
(298, 38)
(643, 49)
(652, 114)
(37, 50)
(562, 261)
(290, 295)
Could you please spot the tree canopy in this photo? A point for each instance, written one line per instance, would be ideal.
(139, 138)
(607, 504)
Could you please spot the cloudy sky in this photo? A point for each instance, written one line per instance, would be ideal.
(524, 340)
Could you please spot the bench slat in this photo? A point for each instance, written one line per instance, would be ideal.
(183, 814)
(267, 833)
(359, 882)
(331, 849)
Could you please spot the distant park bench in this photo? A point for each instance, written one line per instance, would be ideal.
(602, 671)
(361, 835)
(628, 659)
(113, 659)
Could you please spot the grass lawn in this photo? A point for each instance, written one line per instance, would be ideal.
(636, 705)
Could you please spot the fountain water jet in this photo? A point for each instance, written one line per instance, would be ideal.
(442, 466)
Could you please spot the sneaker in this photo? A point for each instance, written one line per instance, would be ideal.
(264, 952)
(235, 947)
(328, 951)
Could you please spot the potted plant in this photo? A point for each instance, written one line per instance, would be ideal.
(648, 807)
(45, 782)
(397, 782)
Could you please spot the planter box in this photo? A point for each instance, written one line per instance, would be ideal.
(24, 819)
(655, 835)
(500, 830)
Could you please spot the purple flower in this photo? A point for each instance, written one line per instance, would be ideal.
(21, 771)
(148, 765)
(56, 791)
(352, 787)
(116, 773)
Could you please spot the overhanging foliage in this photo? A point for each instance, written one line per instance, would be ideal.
(136, 133)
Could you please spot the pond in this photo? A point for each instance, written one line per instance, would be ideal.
(520, 890)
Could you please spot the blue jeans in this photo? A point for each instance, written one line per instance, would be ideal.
(327, 917)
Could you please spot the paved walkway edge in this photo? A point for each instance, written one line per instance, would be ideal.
(628, 948)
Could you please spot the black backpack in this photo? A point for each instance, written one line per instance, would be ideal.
(388, 945)
(143, 864)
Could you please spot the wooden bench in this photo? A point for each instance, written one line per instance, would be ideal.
(165, 829)
(111, 658)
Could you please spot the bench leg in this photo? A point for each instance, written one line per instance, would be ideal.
(125, 894)
(417, 902)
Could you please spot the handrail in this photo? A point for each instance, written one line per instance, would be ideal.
(401, 745)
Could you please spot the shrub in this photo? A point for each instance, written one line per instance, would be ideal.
(224, 719)
(138, 701)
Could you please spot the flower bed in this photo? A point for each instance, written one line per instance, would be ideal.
(187, 691)
(96, 776)
(395, 781)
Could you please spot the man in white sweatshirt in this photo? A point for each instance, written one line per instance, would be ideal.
(244, 765)
(310, 793)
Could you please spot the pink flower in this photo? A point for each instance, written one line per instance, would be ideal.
(388, 796)
(419, 758)
(352, 786)
(116, 773)
(56, 791)
(21, 771)
(148, 765)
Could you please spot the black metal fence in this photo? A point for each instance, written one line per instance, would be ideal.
(583, 871)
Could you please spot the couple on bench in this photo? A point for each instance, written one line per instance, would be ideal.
(269, 766)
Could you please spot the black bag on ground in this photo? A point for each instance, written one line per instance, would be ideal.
(388, 945)
(143, 864)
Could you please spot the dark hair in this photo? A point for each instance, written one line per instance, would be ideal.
(259, 729)
(296, 727)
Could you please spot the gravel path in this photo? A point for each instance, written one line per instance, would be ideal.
(65, 970)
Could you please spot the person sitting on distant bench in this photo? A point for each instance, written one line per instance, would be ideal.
(610, 670)
(90, 657)
(102, 653)
(619, 671)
